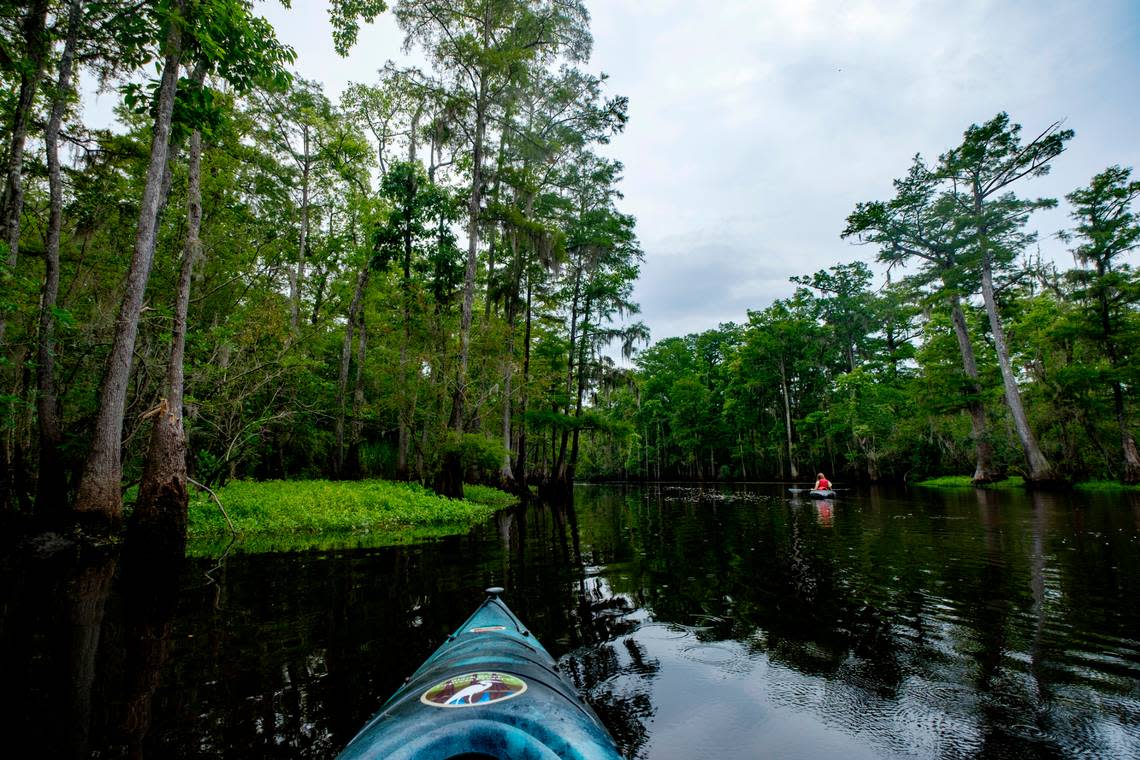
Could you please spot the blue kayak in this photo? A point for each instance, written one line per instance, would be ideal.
(489, 691)
(824, 493)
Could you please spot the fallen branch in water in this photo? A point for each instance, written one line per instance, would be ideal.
(217, 500)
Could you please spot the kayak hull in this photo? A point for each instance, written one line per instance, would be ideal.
(491, 689)
(826, 493)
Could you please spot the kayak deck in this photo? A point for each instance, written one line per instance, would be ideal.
(491, 689)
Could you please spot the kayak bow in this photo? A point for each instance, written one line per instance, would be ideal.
(490, 690)
(826, 493)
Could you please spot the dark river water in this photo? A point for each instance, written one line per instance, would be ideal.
(736, 622)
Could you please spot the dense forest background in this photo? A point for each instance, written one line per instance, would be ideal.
(431, 280)
(971, 355)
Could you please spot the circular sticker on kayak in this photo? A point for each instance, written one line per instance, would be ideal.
(487, 629)
(474, 690)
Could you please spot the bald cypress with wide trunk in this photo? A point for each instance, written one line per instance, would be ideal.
(920, 223)
(99, 492)
(989, 160)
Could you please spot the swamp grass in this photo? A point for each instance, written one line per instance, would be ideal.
(1107, 486)
(320, 514)
(964, 481)
(1016, 481)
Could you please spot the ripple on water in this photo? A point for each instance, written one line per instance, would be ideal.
(724, 657)
(1092, 737)
(663, 632)
(929, 718)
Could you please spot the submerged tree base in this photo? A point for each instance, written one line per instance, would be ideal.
(273, 515)
(1049, 483)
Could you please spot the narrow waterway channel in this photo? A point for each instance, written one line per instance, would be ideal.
(699, 622)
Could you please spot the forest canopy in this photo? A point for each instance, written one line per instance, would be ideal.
(249, 279)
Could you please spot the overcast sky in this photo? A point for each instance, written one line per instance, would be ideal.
(755, 126)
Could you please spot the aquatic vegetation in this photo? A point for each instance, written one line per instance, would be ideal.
(963, 481)
(323, 506)
(1105, 485)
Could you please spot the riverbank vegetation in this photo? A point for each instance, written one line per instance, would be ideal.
(326, 507)
(415, 282)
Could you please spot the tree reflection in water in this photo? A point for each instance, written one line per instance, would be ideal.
(942, 626)
(696, 622)
(52, 634)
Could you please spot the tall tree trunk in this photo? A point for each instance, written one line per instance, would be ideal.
(517, 266)
(524, 395)
(345, 361)
(356, 434)
(410, 423)
(403, 415)
(413, 129)
(1131, 474)
(99, 495)
(984, 471)
(450, 480)
(420, 449)
(506, 475)
(559, 470)
(474, 205)
(660, 446)
(297, 274)
(1039, 468)
(495, 191)
(872, 465)
(792, 470)
(35, 36)
(322, 283)
(162, 502)
(51, 485)
(573, 464)
(892, 343)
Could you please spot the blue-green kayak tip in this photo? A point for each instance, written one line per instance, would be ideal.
(491, 690)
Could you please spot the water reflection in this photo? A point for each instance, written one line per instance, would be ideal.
(52, 628)
(823, 510)
(926, 627)
(698, 622)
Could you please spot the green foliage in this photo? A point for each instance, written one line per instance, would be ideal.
(475, 450)
(488, 496)
(222, 38)
(345, 15)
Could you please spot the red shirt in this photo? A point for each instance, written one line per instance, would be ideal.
(822, 484)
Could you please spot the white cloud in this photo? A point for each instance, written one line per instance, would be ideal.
(760, 125)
